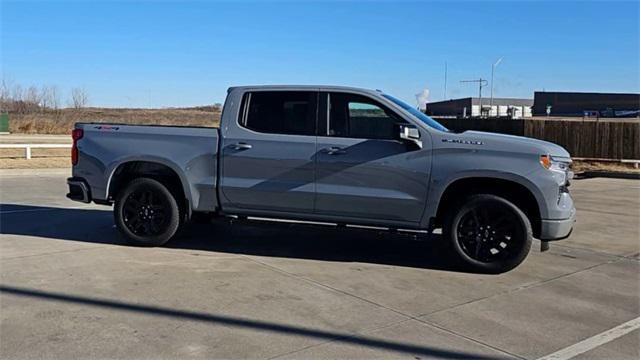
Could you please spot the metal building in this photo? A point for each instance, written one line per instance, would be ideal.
(586, 104)
(470, 107)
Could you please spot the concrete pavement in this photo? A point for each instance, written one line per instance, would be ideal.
(72, 289)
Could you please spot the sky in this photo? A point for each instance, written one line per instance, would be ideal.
(166, 54)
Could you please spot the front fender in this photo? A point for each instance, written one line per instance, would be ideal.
(439, 185)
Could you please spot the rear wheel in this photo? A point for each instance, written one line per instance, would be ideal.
(146, 213)
(489, 233)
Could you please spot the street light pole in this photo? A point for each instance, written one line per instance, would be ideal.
(445, 81)
(493, 67)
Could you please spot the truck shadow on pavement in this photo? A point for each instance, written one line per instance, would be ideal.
(324, 336)
(281, 240)
(284, 240)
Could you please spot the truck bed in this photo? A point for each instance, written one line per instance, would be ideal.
(188, 150)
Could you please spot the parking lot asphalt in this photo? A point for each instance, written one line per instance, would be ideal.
(70, 288)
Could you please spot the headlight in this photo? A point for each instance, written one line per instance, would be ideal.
(559, 167)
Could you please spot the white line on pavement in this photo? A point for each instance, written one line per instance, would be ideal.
(594, 341)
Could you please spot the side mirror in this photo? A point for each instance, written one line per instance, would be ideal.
(410, 133)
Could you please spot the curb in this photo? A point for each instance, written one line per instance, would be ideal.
(608, 174)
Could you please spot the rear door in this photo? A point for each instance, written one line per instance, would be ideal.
(364, 170)
(268, 155)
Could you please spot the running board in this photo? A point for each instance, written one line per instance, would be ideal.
(329, 224)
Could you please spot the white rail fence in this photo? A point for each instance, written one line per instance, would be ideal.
(27, 147)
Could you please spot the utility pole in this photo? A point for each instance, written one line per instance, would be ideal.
(445, 81)
(493, 67)
(481, 83)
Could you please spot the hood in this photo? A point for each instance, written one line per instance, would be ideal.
(515, 143)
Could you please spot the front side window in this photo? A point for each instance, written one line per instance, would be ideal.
(280, 112)
(419, 115)
(356, 116)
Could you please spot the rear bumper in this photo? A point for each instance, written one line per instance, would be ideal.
(557, 229)
(78, 190)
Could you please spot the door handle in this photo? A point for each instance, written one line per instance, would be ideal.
(241, 146)
(334, 150)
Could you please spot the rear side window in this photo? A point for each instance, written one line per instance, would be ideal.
(280, 112)
(357, 116)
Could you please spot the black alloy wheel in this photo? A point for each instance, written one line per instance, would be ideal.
(147, 213)
(490, 233)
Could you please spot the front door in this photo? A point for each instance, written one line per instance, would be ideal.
(268, 155)
(364, 170)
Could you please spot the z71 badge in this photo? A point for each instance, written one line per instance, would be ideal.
(106, 127)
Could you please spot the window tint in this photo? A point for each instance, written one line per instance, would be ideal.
(281, 112)
(357, 116)
(417, 114)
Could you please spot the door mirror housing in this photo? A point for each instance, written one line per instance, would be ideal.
(410, 133)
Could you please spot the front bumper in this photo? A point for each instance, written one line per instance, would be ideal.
(557, 229)
(78, 190)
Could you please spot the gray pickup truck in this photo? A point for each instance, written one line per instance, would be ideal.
(334, 155)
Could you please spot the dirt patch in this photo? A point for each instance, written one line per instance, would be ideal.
(579, 166)
(35, 163)
(35, 153)
(40, 159)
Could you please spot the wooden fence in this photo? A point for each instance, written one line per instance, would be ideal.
(605, 139)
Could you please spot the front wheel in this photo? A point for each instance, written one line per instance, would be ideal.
(489, 233)
(146, 213)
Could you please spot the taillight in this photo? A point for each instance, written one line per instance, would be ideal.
(76, 135)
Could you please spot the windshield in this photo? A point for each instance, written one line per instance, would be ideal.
(417, 114)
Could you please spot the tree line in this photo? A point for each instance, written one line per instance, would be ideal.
(15, 98)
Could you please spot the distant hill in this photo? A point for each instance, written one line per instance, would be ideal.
(61, 121)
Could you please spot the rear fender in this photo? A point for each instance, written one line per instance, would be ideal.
(186, 188)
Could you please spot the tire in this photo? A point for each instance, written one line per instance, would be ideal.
(146, 213)
(488, 233)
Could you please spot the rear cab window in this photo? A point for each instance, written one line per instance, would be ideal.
(280, 112)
